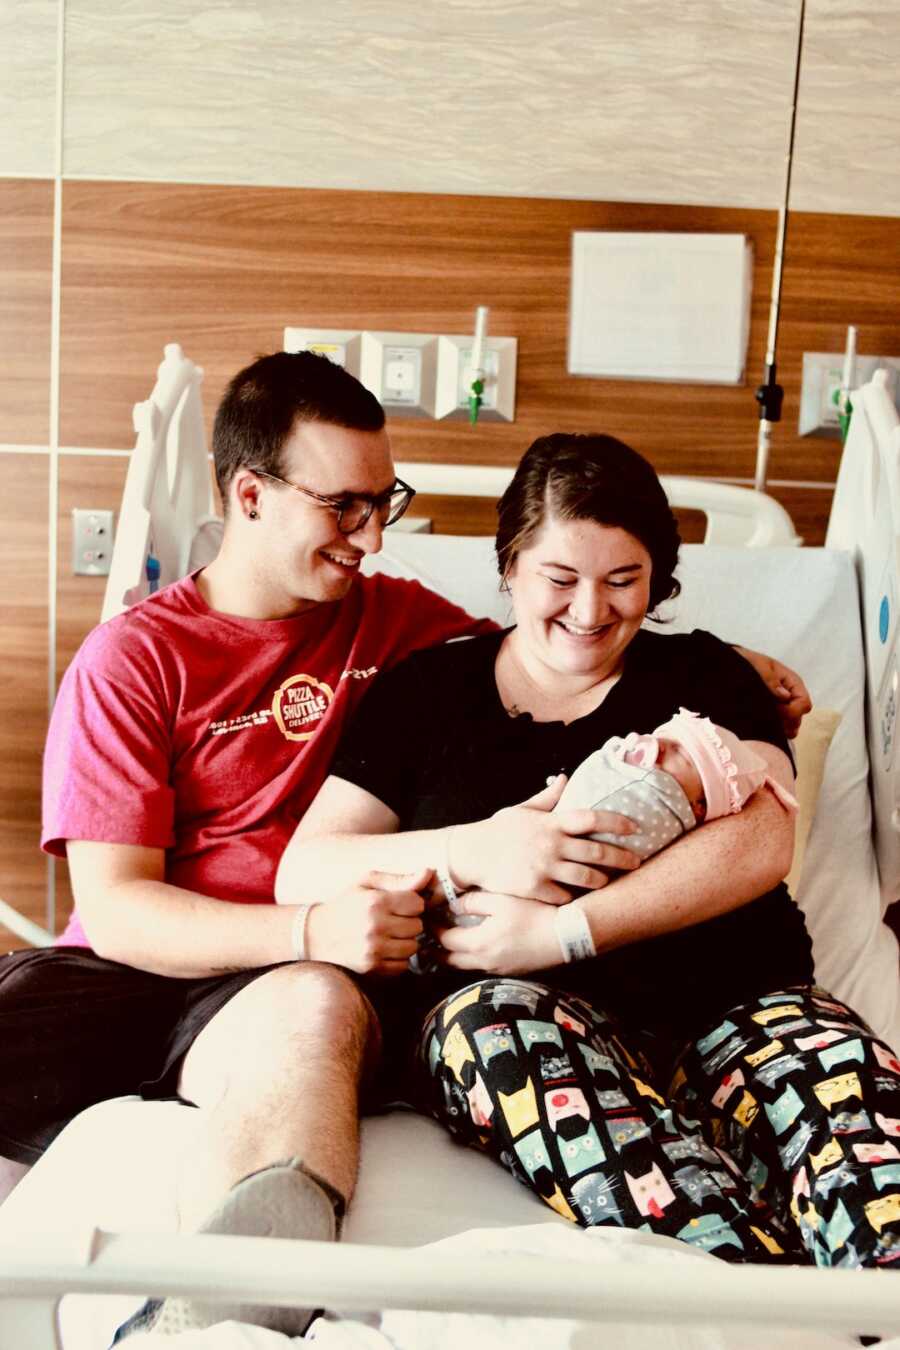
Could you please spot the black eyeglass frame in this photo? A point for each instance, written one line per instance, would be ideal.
(343, 504)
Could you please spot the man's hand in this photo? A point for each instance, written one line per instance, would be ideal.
(785, 686)
(515, 936)
(372, 928)
(532, 851)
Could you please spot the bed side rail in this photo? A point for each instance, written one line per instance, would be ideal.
(736, 517)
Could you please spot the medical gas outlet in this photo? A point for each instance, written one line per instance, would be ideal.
(821, 388)
(421, 375)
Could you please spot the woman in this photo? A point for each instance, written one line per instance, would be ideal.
(672, 1065)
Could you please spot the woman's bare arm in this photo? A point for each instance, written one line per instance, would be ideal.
(710, 871)
(714, 869)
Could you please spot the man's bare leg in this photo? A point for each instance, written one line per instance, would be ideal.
(11, 1173)
(277, 1075)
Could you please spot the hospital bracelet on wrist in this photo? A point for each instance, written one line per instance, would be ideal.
(574, 933)
(299, 950)
(442, 872)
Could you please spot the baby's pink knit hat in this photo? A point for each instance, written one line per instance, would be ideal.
(729, 771)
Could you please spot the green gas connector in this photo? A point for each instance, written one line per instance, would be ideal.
(841, 399)
(475, 400)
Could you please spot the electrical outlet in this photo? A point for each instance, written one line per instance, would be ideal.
(400, 370)
(92, 541)
(822, 376)
(402, 375)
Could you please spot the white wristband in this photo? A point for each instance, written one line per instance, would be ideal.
(299, 950)
(574, 933)
(445, 880)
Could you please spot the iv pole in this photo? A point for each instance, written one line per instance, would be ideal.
(770, 394)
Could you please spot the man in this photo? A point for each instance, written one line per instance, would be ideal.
(188, 738)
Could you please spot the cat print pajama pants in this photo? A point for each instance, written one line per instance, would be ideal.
(778, 1139)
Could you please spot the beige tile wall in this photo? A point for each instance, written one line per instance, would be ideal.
(615, 101)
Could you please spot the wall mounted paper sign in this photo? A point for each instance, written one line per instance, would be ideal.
(653, 306)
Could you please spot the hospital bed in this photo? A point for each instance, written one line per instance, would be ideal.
(97, 1215)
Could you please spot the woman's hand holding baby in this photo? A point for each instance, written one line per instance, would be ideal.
(531, 851)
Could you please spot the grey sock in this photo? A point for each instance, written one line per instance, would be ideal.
(285, 1200)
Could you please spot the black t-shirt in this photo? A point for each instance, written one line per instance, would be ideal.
(433, 741)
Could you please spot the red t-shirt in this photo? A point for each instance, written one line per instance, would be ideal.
(181, 728)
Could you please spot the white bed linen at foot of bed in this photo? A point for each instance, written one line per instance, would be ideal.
(416, 1187)
(116, 1167)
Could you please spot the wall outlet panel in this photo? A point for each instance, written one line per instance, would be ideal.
(341, 345)
(400, 369)
(92, 541)
(419, 374)
(822, 375)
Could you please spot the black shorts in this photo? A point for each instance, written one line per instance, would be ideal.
(401, 1004)
(76, 1029)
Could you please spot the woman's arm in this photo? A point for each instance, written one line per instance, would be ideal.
(710, 871)
(526, 849)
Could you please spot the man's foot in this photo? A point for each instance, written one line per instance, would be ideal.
(284, 1200)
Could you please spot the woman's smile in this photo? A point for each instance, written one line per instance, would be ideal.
(573, 630)
(580, 593)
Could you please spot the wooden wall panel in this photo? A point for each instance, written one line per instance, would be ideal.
(809, 509)
(23, 681)
(26, 238)
(223, 269)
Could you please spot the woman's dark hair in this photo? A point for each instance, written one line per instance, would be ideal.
(263, 402)
(580, 477)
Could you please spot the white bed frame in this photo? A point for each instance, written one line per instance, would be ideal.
(36, 1269)
(355, 1277)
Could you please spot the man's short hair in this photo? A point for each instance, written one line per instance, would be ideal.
(264, 402)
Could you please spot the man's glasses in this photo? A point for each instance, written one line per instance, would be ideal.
(354, 510)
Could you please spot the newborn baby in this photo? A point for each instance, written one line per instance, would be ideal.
(685, 772)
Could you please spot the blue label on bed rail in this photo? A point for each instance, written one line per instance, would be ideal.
(884, 618)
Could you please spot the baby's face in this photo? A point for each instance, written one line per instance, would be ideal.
(672, 759)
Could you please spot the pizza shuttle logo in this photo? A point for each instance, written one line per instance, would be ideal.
(299, 705)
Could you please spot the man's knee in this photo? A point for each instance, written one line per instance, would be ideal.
(313, 999)
(305, 1013)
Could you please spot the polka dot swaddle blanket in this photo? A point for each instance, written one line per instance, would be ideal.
(650, 797)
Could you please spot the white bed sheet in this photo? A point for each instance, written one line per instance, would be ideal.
(129, 1186)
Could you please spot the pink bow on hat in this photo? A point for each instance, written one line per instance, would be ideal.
(729, 770)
